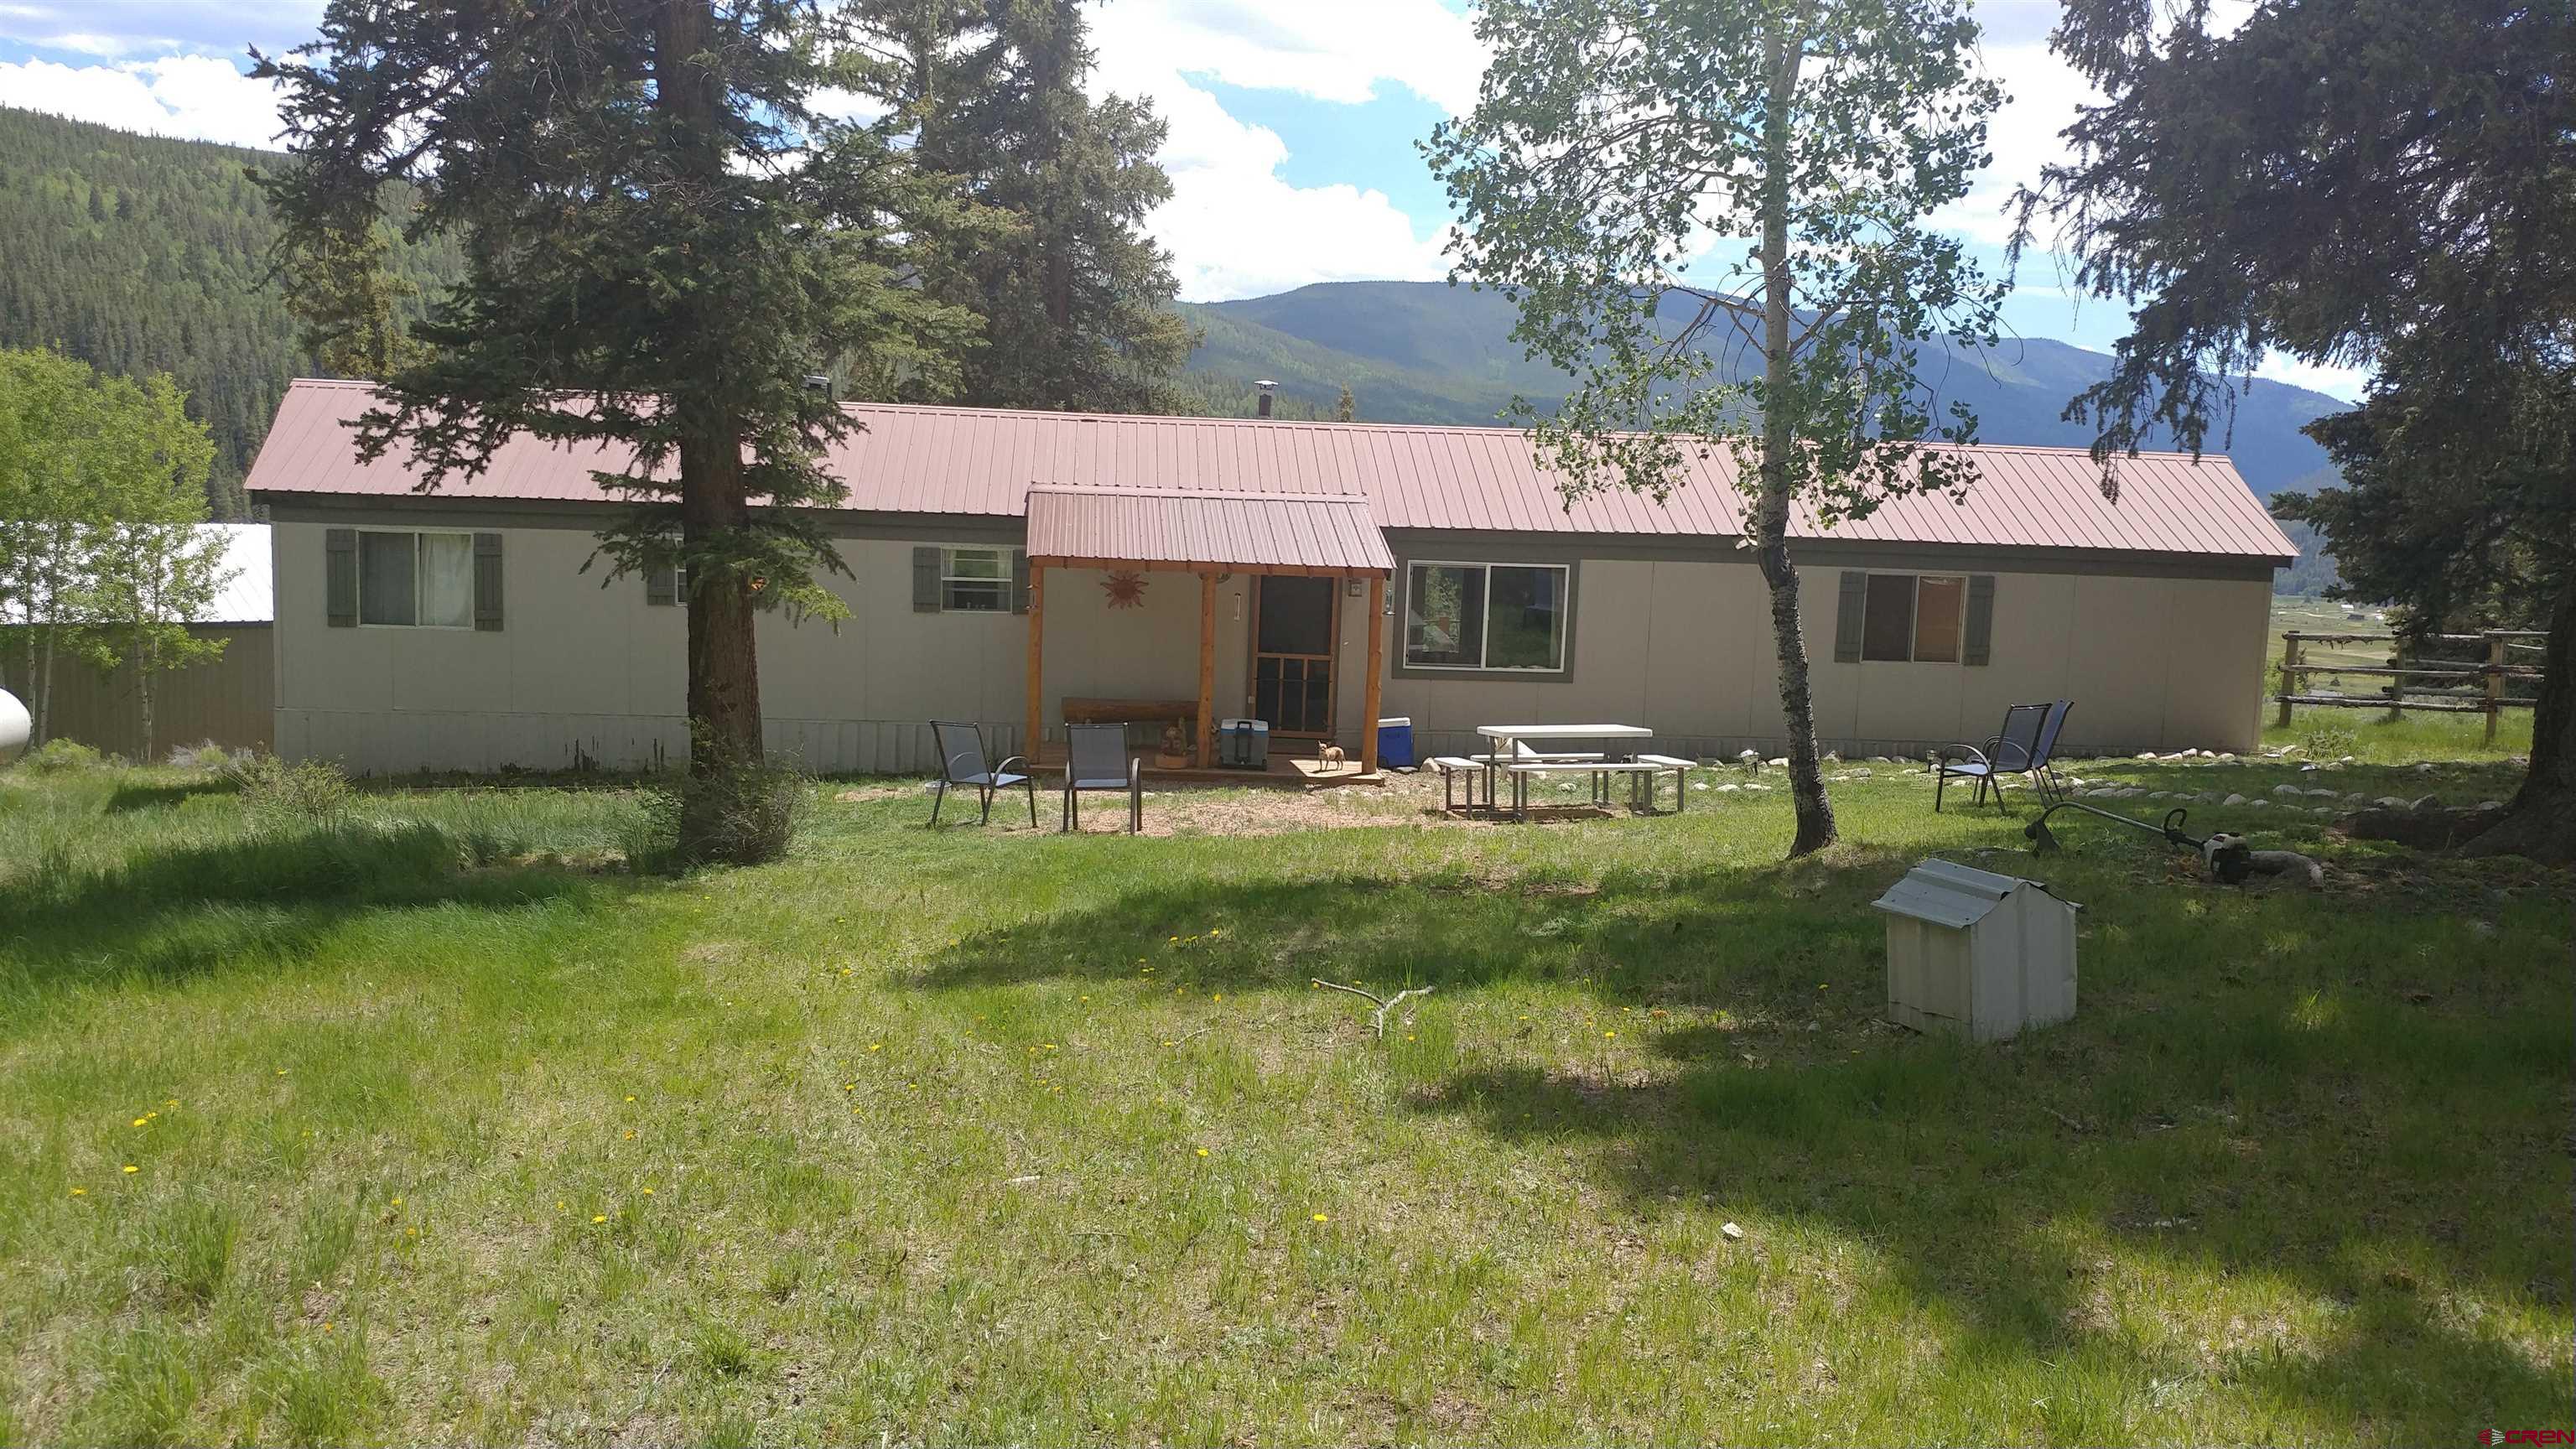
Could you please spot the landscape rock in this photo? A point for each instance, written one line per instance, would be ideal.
(2286, 790)
(2390, 802)
(2426, 802)
(2233, 800)
(2258, 804)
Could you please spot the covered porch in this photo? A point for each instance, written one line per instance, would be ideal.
(1297, 551)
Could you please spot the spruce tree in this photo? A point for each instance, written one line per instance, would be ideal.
(1045, 237)
(665, 237)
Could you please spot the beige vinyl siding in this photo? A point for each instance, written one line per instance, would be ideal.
(585, 673)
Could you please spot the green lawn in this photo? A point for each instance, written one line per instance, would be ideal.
(441, 1127)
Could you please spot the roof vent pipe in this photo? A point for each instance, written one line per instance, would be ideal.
(817, 382)
(1267, 388)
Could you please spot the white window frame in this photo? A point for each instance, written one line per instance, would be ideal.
(1914, 619)
(1485, 636)
(1007, 580)
(419, 576)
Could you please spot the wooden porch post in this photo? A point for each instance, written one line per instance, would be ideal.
(1370, 701)
(1207, 668)
(1037, 633)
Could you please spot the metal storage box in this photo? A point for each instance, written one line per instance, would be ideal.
(1243, 744)
(1975, 952)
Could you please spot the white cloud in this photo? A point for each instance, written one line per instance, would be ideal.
(193, 96)
(2345, 384)
(1330, 50)
(2043, 93)
(1235, 226)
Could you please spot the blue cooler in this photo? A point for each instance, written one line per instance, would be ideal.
(1395, 742)
(1243, 744)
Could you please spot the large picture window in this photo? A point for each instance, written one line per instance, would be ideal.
(421, 579)
(1486, 616)
(975, 580)
(1914, 617)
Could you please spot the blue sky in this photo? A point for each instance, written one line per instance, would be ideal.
(1293, 124)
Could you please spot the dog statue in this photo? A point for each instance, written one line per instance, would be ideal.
(2228, 858)
(1330, 757)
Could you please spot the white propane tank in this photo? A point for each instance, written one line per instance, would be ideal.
(14, 727)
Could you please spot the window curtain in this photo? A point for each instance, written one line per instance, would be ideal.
(447, 580)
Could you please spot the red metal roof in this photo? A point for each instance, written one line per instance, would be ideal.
(986, 462)
(1135, 525)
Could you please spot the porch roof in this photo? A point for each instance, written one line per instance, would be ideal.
(1175, 528)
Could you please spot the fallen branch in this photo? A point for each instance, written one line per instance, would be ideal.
(1385, 1004)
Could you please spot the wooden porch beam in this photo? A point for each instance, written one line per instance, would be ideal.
(1207, 668)
(1037, 635)
(1370, 699)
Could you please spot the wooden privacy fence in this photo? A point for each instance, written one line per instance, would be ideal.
(2457, 686)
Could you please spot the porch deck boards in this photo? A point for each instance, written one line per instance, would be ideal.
(1284, 771)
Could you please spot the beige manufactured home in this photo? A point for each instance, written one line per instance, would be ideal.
(1016, 568)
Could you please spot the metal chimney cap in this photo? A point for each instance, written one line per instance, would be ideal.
(1266, 385)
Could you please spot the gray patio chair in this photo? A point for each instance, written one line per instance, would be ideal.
(1096, 758)
(2024, 746)
(963, 765)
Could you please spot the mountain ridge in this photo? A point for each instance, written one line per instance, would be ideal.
(1429, 352)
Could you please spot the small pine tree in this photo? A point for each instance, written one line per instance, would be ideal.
(1346, 409)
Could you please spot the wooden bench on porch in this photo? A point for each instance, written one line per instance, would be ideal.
(1081, 710)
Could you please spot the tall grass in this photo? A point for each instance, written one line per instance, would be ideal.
(447, 1126)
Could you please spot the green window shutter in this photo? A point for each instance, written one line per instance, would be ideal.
(1019, 581)
(487, 582)
(1848, 611)
(925, 580)
(340, 577)
(1978, 645)
(661, 585)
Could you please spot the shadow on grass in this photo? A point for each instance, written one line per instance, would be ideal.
(2255, 1089)
(152, 797)
(260, 900)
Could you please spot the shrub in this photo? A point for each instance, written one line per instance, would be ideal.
(736, 813)
(208, 756)
(2328, 741)
(311, 792)
(60, 756)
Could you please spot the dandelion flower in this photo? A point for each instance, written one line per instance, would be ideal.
(130, 1167)
(281, 1071)
(630, 1134)
(139, 1121)
(876, 1046)
(1322, 1218)
(84, 1192)
(559, 1204)
(599, 1217)
(1202, 1152)
(1218, 996)
(397, 1202)
(1608, 1034)
(326, 1325)
(630, 1096)
(648, 1192)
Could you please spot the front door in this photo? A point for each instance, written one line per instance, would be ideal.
(1293, 629)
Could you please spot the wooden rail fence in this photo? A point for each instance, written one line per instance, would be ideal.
(2459, 687)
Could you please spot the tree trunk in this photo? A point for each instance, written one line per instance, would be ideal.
(724, 667)
(1779, 444)
(44, 682)
(2541, 821)
(144, 666)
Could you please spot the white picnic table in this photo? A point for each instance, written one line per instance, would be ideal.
(1508, 737)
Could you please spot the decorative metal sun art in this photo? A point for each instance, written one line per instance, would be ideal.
(1125, 588)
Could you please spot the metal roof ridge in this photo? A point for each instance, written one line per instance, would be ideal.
(1250, 495)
